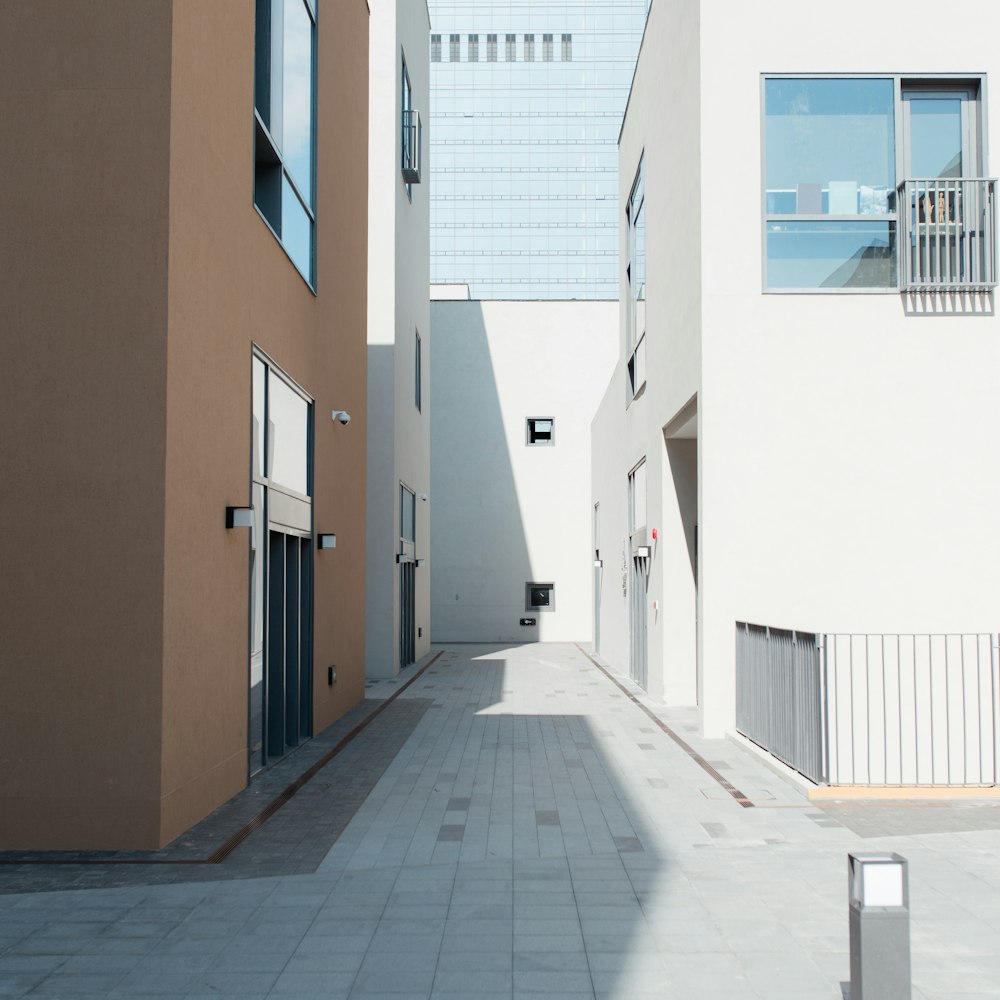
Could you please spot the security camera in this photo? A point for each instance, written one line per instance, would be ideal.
(341, 416)
(422, 496)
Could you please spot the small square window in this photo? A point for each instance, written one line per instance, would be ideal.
(541, 430)
(539, 597)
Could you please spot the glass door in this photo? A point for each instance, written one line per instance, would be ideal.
(281, 568)
(943, 201)
(939, 134)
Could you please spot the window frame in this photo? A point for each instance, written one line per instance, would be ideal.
(901, 82)
(529, 431)
(418, 371)
(635, 345)
(272, 150)
(531, 585)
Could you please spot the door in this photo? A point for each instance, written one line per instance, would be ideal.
(638, 579)
(281, 567)
(597, 578)
(941, 157)
(940, 133)
(407, 613)
(638, 574)
(407, 576)
(288, 662)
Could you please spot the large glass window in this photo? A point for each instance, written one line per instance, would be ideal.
(830, 180)
(284, 136)
(288, 435)
(407, 514)
(637, 497)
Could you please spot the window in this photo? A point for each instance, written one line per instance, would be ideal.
(635, 276)
(529, 48)
(407, 514)
(567, 48)
(491, 48)
(546, 48)
(473, 48)
(435, 48)
(411, 130)
(539, 597)
(285, 127)
(830, 178)
(541, 430)
(511, 48)
(637, 498)
(417, 373)
(454, 48)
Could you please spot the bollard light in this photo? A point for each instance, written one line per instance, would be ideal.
(879, 919)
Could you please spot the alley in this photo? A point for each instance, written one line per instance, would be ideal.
(516, 823)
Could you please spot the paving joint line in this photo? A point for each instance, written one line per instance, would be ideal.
(282, 798)
(679, 740)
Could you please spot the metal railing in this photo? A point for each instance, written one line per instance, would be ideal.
(885, 709)
(947, 234)
(779, 697)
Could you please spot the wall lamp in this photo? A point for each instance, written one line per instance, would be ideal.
(341, 416)
(326, 541)
(239, 517)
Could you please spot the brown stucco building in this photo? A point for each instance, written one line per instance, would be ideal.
(148, 277)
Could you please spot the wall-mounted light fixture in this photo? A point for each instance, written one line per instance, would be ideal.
(326, 541)
(239, 517)
(341, 416)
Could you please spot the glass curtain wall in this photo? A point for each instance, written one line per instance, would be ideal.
(524, 178)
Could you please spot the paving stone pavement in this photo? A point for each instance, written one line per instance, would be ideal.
(531, 833)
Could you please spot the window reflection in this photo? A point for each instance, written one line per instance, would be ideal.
(830, 146)
(296, 230)
(288, 436)
(831, 254)
(935, 137)
(297, 97)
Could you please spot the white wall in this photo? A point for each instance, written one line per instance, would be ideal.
(623, 436)
(398, 306)
(846, 465)
(504, 513)
(855, 488)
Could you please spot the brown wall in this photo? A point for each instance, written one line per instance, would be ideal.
(125, 404)
(82, 406)
(232, 285)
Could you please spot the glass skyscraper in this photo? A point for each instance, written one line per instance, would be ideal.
(527, 101)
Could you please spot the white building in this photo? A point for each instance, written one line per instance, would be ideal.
(805, 407)
(397, 596)
(515, 385)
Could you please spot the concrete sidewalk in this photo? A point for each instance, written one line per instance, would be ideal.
(532, 832)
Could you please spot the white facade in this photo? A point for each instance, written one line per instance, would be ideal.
(506, 513)
(835, 449)
(398, 312)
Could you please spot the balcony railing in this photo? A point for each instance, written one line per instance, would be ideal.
(947, 229)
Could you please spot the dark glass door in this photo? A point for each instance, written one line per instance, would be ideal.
(288, 661)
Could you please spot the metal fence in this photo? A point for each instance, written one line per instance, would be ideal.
(947, 234)
(779, 698)
(873, 709)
